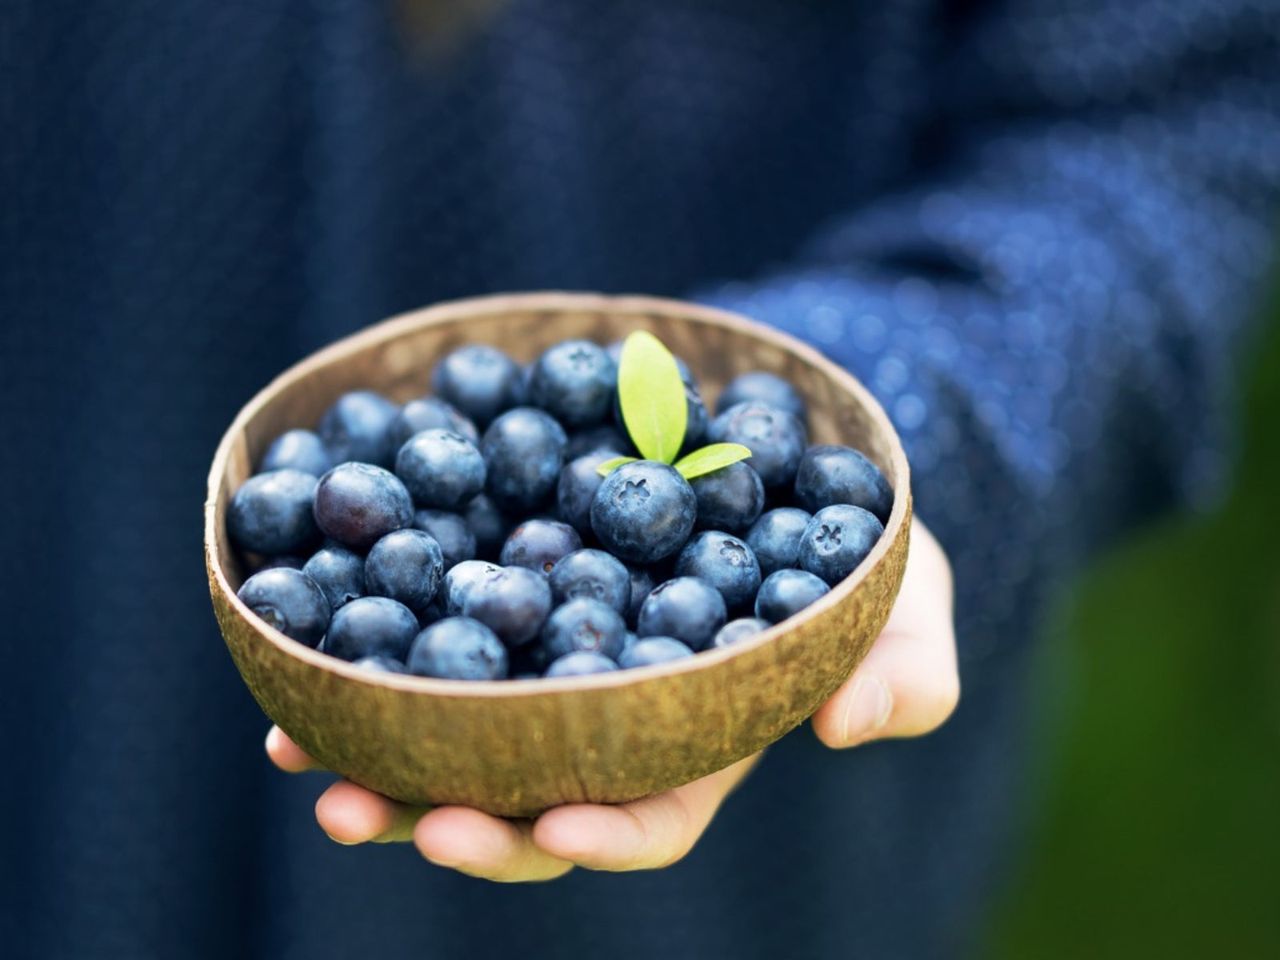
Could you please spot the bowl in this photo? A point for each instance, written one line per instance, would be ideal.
(516, 748)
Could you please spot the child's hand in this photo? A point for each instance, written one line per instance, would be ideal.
(907, 685)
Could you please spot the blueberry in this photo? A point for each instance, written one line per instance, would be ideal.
(593, 574)
(288, 600)
(459, 580)
(583, 625)
(723, 561)
(651, 650)
(357, 504)
(450, 530)
(837, 539)
(405, 565)
(358, 427)
(642, 584)
(775, 538)
(602, 439)
(432, 612)
(489, 525)
(338, 572)
(271, 513)
(644, 511)
(288, 560)
(513, 604)
(776, 439)
(440, 469)
(580, 663)
(381, 664)
(766, 388)
(458, 648)
(430, 413)
(730, 498)
(538, 544)
(371, 626)
(686, 608)
(481, 381)
(523, 450)
(739, 629)
(831, 474)
(297, 450)
(531, 660)
(577, 487)
(575, 382)
(785, 592)
(628, 641)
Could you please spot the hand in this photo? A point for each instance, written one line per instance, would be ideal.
(906, 686)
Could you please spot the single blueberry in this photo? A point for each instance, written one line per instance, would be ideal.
(440, 469)
(730, 498)
(739, 629)
(651, 650)
(523, 452)
(357, 504)
(725, 562)
(575, 382)
(642, 584)
(381, 664)
(458, 648)
(776, 536)
(837, 539)
(580, 663)
(460, 579)
(432, 612)
(297, 450)
(405, 565)
(576, 489)
(358, 427)
(776, 439)
(539, 544)
(371, 626)
(584, 625)
(271, 513)
(287, 560)
(288, 600)
(686, 608)
(644, 511)
(451, 531)
(513, 604)
(593, 574)
(480, 381)
(786, 592)
(430, 413)
(602, 439)
(338, 572)
(766, 388)
(830, 474)
(489, 525)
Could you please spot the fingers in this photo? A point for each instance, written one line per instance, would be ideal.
(349, 814)
(480, 845)
(286, 754)
(649, 833)
(909, 683)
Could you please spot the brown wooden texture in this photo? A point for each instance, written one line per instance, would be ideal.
(518, 747)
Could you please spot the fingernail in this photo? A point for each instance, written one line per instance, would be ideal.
(869, 706)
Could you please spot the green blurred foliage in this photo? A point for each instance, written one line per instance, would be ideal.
(1155, 820)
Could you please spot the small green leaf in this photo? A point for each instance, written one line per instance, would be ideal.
(711, 458)
(609, 466)
(651, 393)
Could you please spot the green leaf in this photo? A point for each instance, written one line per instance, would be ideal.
(708, 459)
(651, 393)
(609, 466)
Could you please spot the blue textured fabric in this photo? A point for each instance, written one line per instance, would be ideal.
(1033, 228)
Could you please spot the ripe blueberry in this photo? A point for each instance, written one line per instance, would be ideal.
(357, 504)
(592, 574)
(381, 664)
(576, 489)
(481, 381)
(288, 600)
(538, 544)
(405, 565)
(583, 625)
(458, 648)
(776, 439)
(580, 663)
(459, 580)
(523, 452)
(786, 592)
(725, 562)
(686, 608)
(765, 387)
(730, 498)
(440, 469)
(837, 539)
(297, 450)
(457, 542)
(489, 525)
(776, 536)
(513, 604)
(338, 572)
(371, 626)
(643, 511)
(430, 413)
(574, 381)
(271, 513)
(651, 650)
(831, 474)
(358, 427)
(739, 629)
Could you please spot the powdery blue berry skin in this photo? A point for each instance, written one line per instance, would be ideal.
(837, 539)
(458, 648)
(297, 450)
(686, 608)
(450, 530)
(594, 575)
(338, 572)
(580, 663)
(539, 544)
(430, 413)
(406, 566)
(642, 584)
(584, 625)
(737, 630)
(357, 504)
(766, 388)
(651, 650)
(513, 604)
(574, 381)
(271, 513)
(371, 626)
(480, 381)
(576, 489)
(288, 560)
(489, 524)
(775, 538)
(644, 511)
(358, 427)
(380, 664)
(605, 438)
(288, 600)
(523, 452)
(787, 592)
(440, 469)
(730, 498)
(726, 563)
(776, 439)
(459, 580)
(830, 474)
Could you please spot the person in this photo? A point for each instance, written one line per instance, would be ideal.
(1034, 230)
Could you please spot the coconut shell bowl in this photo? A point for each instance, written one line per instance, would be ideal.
(515, 748)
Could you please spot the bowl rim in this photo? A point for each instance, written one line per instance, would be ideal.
(400, 324)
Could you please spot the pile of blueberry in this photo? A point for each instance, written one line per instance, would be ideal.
(473, 535)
